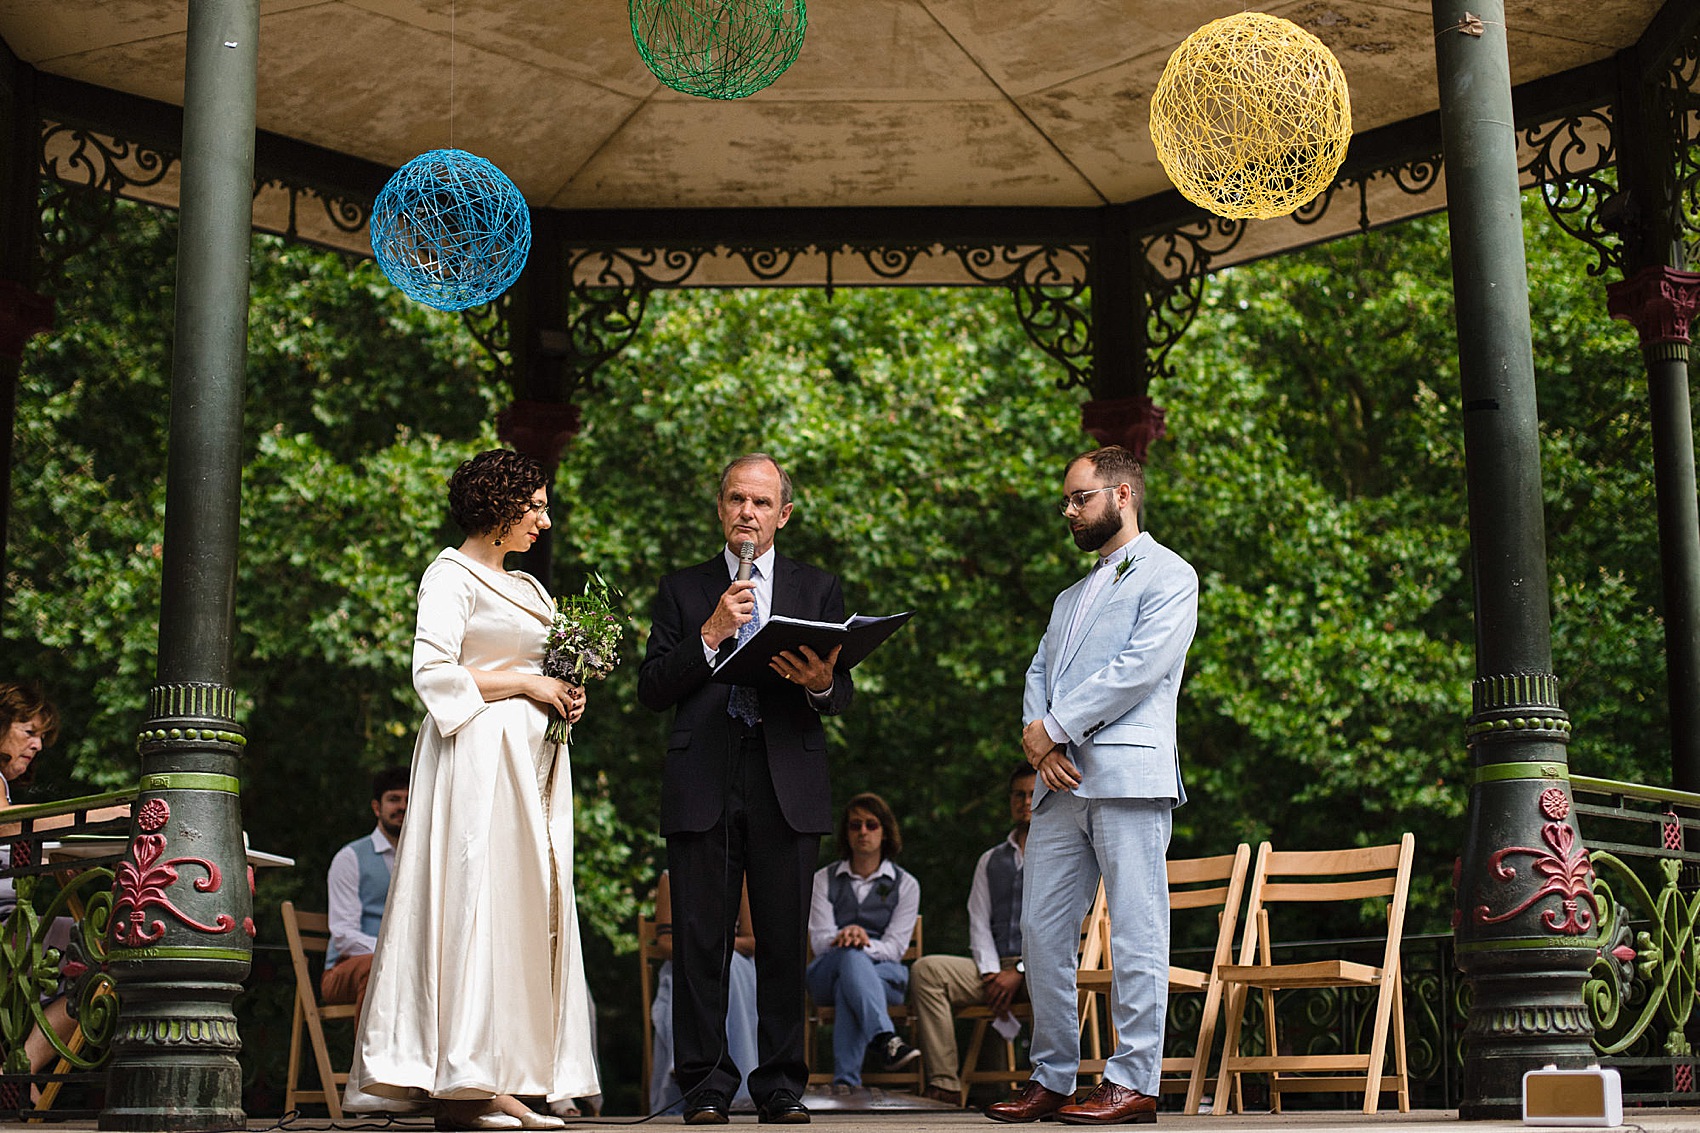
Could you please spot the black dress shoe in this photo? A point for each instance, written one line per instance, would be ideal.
(708, 1107)
(783, 1108)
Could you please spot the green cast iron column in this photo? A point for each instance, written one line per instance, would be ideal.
(23, 312)
(1524, 909)
(1657, 295)
(1661, 303)
(181, 937)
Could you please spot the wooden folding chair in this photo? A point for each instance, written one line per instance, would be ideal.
(1213, 883)
(1290, 877)
(310, 932)
(819, 1016)
(1091, 955)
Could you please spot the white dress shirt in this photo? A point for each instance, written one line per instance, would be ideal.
(980, 943)
(891, 944)
(762, 576)
(1103, 574)
(342, 886)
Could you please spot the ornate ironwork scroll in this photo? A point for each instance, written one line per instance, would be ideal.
(608, 292)
(1049, 286)
(1683, 90)
(489, 326)
(344, 214)
(1413, 178)
(1571, 163)
(1641, 989)
(1176, 263)
(84, 175)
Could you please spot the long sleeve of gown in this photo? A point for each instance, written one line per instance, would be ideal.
(446, 597)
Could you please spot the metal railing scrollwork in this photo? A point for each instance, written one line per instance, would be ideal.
(1640, 991)
(53, 952)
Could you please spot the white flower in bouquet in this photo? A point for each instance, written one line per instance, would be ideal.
(583, 641)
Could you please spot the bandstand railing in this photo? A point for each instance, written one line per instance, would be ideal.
(1640, 993)
(1641, 990)
(53, 950)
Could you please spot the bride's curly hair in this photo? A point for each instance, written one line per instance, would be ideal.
(492, 491)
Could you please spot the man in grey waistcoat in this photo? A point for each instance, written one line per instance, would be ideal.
(357, 886)
(993, 974)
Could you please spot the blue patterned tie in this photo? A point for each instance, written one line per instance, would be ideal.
(743, 703)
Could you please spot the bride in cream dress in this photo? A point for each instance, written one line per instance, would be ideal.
(477, 996)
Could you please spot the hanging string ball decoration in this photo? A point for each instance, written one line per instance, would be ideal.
(1251, 117)
(450, 230)
(718, 48)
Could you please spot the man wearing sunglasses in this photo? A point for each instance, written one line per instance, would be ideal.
(1099, 714)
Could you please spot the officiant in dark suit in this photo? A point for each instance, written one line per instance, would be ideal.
(744, 792)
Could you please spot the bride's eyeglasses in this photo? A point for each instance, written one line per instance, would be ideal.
(538, 509)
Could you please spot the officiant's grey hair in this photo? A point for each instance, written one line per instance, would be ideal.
(757, 458)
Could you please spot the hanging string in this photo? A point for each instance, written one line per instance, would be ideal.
(451, 74)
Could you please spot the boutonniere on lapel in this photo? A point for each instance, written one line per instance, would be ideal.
(883, 889)
(1124, 566)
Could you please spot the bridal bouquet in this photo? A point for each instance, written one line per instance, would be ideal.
(583, 642)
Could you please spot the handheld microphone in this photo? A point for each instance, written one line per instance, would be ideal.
(746, 559)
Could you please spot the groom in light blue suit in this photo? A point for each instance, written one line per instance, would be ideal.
(1099, 709)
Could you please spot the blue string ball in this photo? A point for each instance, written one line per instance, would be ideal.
(450, 230)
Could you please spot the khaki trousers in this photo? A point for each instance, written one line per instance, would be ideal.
(938, 985)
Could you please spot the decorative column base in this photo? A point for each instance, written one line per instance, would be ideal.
(1526, 913)
(182, 927)
(173, 1069)
(1132, 422)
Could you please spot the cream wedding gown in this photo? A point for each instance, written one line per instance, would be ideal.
(478, 984)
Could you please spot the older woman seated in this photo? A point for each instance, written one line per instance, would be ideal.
(28, 723)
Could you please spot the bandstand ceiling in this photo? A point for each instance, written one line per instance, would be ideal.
(1013, 103)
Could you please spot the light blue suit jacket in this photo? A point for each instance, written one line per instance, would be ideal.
(1114, 691)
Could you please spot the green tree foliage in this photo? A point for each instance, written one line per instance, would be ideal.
(1315, 478)
(1313, 474)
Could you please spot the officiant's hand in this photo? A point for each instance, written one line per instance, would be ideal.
(807, 668)
(736, 606)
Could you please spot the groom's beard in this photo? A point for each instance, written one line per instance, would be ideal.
(1099, 531)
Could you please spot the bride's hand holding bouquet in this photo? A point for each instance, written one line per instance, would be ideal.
(583, 642)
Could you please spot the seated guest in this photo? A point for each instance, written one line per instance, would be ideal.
(28, 723)
(993, 975)
(861, 917)
(357, 885)
(664, 1093)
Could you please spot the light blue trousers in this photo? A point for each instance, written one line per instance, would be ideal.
(1072, 843)
(859, 989)
(664, 1095)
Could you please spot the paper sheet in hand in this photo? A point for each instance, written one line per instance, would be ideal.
(860, 636)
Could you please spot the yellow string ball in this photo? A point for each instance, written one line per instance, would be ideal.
(1251, 117)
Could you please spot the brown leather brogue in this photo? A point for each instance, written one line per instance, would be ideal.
(1031, 1104)
(1111, 1104)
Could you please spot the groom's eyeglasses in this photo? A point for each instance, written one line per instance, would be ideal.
(868, 824)
(1075, 501)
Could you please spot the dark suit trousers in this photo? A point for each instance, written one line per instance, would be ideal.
(750, 839)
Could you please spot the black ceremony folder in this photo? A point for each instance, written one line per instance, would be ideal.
(860, 636)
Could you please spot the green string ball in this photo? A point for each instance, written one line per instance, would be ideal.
(450, 230)
(718, 48)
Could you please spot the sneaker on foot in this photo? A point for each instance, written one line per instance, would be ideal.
(892, 1052)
